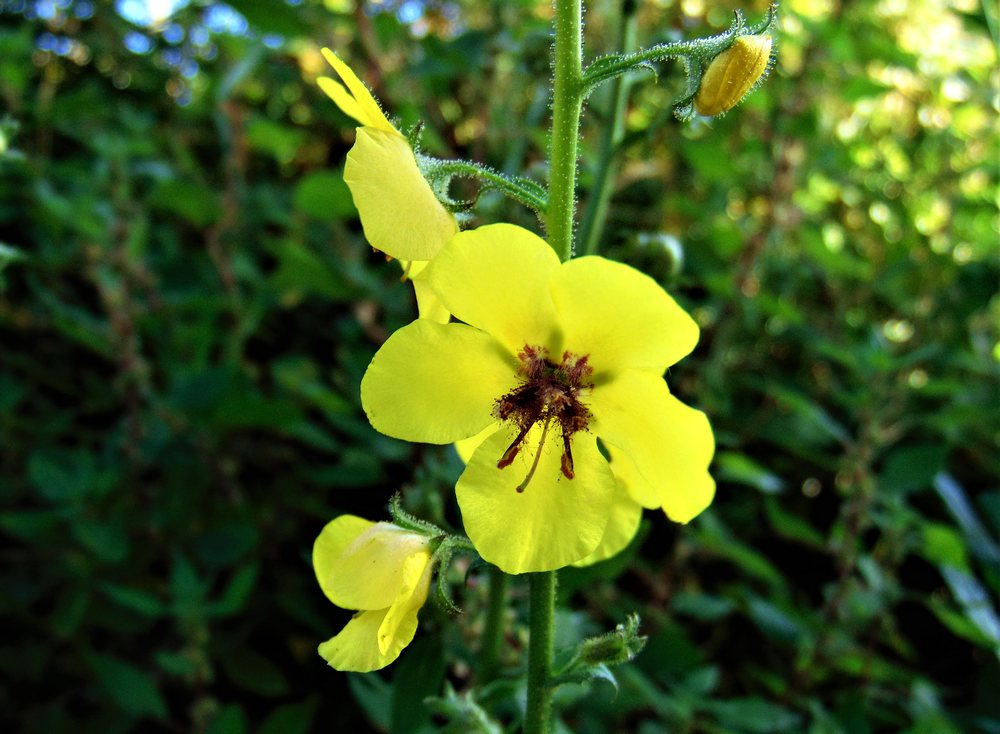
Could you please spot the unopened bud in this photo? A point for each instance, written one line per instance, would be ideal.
(732, 73)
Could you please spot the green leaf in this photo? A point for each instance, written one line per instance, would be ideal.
(272, 16)
(704, 607)
(186, 588)
(859, 87)
(236, 593)
(290, 718)
(717, 539)
(61, 476)
(139, 601)
(774, 622)
(754, 715)
(739, 468)
(106, 539)
(177, 663)
(911, 468)
(132, 689)
(702, 681)
(300, 376)
(324, 195)
(31, 525)
(226, 544)
(255, 673)
(975, 602)
(300, 272)
(811, 413)
(68, 615)
(976, 535)
(282, 142)
(943, 545)
(229, 720)
(9, 255)
(374, 696)
(791, 526)
(197, 204)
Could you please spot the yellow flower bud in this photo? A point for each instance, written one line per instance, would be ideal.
(732, 73)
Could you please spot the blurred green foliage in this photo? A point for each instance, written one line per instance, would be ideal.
(187, 306)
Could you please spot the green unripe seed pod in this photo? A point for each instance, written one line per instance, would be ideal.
(732, 73)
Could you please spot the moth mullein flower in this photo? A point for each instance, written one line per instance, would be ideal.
(550, 358)
(399, 212)
(733, 73)
(384, 572)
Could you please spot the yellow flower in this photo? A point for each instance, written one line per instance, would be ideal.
(399, 212)
(384, 572)
(551, 356)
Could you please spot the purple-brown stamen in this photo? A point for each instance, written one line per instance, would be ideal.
(549, 393)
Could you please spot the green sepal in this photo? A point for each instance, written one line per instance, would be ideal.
(408, 522)
(442, 556)
(463, 713)
(444, 549)
(594, 656)
(587, 674)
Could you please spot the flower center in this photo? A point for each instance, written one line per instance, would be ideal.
(550, 395)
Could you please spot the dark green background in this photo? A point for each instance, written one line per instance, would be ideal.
(187, 306)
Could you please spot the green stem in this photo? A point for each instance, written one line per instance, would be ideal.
(519, 188)
(567, 103)
(493, 632)
(541, 615)
(596, 214)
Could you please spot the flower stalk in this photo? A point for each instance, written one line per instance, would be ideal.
(567, 104)
(541, 616)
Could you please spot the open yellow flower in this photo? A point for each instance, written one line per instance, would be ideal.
(384, 572)
(551, 356)
(399, 212)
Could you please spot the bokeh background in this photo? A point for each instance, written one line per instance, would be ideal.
(187, 306)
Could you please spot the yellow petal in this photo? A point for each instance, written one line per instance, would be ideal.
(412, 595)
(399, 212)
(629, 477)
(436, 383)
(330, 546)
(496, 278)
(554, 521)
(623, 523)
(467, 446)
(356, 648)
(669, 444)
(429, 306)
(369, 112)
(370, 570)
(619, 316)
(342, 98)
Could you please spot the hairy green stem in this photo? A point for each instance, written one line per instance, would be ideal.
(541, 616)
(567, 103)
(489, 664)
(519, 188)
(596, 213)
